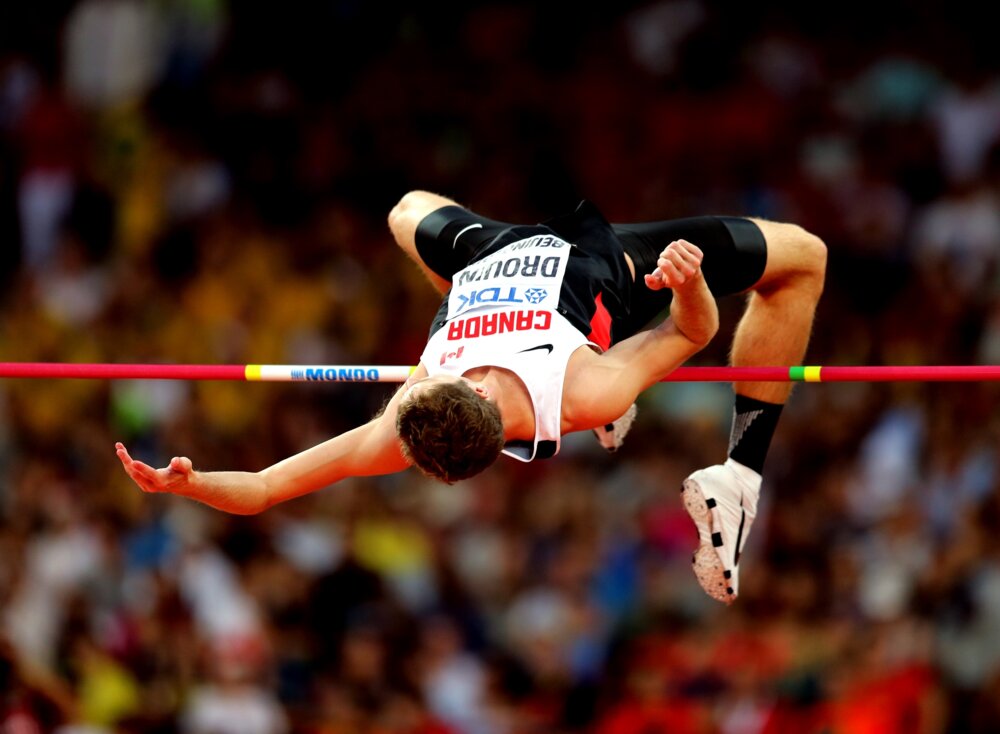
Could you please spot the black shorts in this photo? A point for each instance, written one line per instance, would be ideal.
(735, 253)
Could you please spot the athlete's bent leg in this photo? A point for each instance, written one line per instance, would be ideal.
(439, 235)
(403, 221)
(777, 323)
(774, 330)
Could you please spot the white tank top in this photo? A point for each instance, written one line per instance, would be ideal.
(502, 312)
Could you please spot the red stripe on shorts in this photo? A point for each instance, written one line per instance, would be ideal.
(600, 324)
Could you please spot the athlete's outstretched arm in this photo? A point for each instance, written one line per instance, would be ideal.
(632, 365)
(364, 451)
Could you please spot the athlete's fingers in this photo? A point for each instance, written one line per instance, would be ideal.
(684, 255)
(672, 275)
(654, 281)
(674, 258)
(668, 271)
(132, 467)
(691, 259)
(683, 245)
(678, 263)
(142, 474)
(122, 453)
(685, 266)
(181, 464)
(687, 252)
(141, 479)
(690, 250)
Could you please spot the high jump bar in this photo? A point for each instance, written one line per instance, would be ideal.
(397, 373)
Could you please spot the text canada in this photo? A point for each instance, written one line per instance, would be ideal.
(499, 323)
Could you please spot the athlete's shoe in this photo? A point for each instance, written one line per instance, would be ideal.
(613, 435)
(722, 501)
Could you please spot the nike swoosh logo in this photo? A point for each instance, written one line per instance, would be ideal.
(739, 536)
(471, 226)
(547, 347)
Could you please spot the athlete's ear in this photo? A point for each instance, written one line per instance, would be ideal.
(481, 390)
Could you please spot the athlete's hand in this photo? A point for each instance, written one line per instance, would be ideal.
(170, 479)
(678, 265)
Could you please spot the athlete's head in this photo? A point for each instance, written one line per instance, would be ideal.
(449, 429)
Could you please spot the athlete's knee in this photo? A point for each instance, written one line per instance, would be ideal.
(401, 216)
(813, 258)
(410, 210)
(798, 256)
(808, 250)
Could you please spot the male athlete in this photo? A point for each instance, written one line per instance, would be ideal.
(541, 333)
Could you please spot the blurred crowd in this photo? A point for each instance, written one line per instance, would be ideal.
(207, 182)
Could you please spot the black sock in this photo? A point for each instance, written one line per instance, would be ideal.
(754, 422)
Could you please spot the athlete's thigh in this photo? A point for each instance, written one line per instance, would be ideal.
(735, 258)
(449, 238)
(421, 222)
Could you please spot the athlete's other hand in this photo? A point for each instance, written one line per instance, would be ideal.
(679, 264)
(173, 477)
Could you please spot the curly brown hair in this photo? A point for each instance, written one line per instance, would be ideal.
(449, 432)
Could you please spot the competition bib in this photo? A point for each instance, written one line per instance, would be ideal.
(523, 278)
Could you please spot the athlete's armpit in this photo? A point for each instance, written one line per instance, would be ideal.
(599, 388)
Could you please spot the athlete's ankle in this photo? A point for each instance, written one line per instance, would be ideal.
(754, 423)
